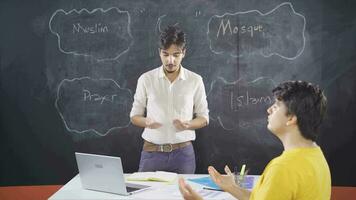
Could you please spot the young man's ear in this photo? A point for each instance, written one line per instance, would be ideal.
(292, 120)
(183, 52)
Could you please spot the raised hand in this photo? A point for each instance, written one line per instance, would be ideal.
(225, 182)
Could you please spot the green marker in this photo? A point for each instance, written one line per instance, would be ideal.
(242, 172)
(241, 177)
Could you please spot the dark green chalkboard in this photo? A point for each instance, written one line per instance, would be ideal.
(69, 69)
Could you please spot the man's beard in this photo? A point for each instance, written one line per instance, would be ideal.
(170, 72)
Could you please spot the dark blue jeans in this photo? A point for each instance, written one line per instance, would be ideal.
(181, 161)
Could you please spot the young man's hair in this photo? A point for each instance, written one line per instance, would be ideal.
(307, 102)
(172, 35)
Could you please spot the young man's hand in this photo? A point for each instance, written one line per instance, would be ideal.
(181, 126)
(150, 123)
(225, 182)
(187, 192)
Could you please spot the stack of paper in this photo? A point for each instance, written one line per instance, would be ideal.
(153, 176)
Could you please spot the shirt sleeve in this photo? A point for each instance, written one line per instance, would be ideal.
(140, 99)
(275, 184)
(200, 102)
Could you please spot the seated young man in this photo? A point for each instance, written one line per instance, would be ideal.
(301, 171)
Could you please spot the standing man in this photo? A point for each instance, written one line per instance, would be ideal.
(301, 171)
(175, 103)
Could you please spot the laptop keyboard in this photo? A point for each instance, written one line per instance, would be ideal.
(131, 189)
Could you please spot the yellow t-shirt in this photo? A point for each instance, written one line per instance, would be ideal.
(300, 174)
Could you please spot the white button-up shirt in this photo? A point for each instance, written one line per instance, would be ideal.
(165, 101)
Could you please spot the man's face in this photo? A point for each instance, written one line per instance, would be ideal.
(277, 117)
(171, 58)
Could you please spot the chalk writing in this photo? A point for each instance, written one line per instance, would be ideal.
(240, 104)
(87, 96)
(278, 32)
(237, 101)
(84, 109)
(102, 34)
(96, 28)
(226, 28)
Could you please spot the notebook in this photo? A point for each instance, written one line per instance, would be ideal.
(160, 176)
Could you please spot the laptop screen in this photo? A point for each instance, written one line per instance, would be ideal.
(104, 173)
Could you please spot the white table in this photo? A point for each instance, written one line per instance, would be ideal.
(73, 191)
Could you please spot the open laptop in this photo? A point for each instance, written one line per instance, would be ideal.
(105, 174)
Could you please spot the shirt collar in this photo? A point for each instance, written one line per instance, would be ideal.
(181, 75)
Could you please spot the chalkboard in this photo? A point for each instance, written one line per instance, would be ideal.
(69, 71)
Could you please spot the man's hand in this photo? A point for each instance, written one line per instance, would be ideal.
(187, 192)
(181, 126)
(150, 123)
(225, 182)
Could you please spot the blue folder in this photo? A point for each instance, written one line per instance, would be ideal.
(205, 181)
(209, 183)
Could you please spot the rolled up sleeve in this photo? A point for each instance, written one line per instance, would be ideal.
(200, 102)
(140, 99)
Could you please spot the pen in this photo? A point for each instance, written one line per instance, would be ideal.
(205, 188)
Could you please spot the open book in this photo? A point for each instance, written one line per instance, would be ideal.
(153, 176)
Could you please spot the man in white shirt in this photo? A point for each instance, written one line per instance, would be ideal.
(175, 102)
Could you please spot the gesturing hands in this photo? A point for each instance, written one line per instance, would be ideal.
(187, 191)
(225, 182)
(150, 123)
(181, 126)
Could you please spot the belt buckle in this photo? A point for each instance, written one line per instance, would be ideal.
(165, 148)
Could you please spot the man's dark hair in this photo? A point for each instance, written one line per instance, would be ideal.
(172, 35)
(307, 102)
